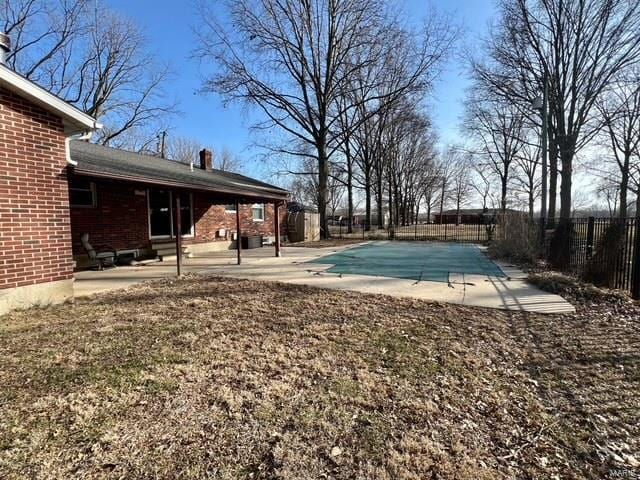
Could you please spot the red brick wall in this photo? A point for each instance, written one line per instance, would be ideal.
(210, 218)
(35, 240)
(120, 219)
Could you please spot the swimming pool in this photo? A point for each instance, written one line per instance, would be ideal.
(429, 261)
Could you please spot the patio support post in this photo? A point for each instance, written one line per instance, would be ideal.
(238, 232)
(276, 227)
(178, 235)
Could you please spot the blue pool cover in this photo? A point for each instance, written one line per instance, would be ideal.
(416, 261)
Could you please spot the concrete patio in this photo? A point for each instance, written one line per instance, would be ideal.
(511, 293)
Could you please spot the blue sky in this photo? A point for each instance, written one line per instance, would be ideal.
(167, 24)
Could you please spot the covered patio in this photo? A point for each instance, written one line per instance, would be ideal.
(296, 266)
(143, 206)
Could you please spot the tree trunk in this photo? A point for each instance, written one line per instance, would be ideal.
(398, 201)
(624, 186)
(391, 215)
(553, 178)
(566, 177)
(367, 196)
(323, 190)
(503, 194)
(350, 195)
(379, 205)
(444, 186)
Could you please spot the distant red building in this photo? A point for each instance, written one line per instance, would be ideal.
(471, 215)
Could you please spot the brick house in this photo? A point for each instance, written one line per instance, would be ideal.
(54, 188)
(127, 201)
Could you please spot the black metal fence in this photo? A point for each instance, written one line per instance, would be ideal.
(604, 251)
(472, 230)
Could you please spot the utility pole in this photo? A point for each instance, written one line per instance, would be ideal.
(162, 136)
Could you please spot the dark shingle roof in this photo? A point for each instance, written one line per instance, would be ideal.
(121, 164)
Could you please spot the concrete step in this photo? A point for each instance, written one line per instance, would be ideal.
(167, 251)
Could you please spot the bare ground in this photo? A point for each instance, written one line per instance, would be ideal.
(222, 378)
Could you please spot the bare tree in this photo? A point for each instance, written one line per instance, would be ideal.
(609, 189)
(95, 60)
(620, 109)
(408, 153)
(526, 178)
(305, 186)
(577, 47)
(227, 161)
(481, 182)
(460, 182)
(293, 59)
(446, 168)
(498, 129)
(183, 149)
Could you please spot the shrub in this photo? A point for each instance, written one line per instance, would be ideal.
(601, 268)
(519, 240)
(565, 285)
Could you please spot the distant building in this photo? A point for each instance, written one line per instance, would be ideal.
(472, 215)
(341, 216)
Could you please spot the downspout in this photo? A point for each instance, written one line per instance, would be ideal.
(67, 144)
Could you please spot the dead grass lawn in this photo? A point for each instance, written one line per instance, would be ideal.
(221, 378)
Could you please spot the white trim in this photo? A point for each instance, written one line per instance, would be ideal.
(77, 120)
(67, 151)
(191, 234)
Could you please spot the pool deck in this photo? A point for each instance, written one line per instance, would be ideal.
(510, 293)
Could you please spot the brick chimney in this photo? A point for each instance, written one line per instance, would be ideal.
(206, 159)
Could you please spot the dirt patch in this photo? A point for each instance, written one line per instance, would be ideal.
(224, 378)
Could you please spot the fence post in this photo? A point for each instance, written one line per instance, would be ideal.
(415, 235)
(445, 231)
(635, 272)
(590, 231)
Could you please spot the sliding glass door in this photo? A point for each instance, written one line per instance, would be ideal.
(162, 214)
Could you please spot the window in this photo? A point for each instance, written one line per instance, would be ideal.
(186, 217)
(230, 208)
(82, 193)
(162, 214)
(258, 212)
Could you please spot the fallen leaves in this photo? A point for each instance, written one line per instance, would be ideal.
(222, 378)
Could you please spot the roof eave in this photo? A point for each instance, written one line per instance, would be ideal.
(256, 195)
(75, 121)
